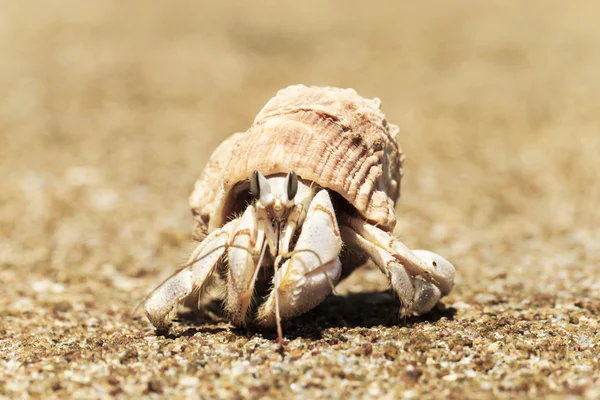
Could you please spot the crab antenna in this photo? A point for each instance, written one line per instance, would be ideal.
(260, 260)
(261, 257)
(277, 315)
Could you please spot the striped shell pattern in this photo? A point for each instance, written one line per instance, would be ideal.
(328, 136)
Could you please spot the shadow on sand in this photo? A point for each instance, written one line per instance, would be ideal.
(354, 310)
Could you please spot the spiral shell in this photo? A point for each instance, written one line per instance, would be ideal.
(329, 136)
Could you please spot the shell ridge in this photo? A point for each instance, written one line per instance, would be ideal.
(371, 179)
(333, 156)
(346, 162)
(365, 185)
(332, 137)
(353, 183)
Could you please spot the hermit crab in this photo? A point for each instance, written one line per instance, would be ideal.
(287, 208)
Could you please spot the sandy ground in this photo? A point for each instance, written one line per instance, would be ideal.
(109, 111)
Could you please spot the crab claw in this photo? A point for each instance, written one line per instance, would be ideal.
(307, 277)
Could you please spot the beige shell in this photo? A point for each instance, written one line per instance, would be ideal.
(329, 136)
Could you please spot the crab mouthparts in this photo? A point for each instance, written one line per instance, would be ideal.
(278, 212)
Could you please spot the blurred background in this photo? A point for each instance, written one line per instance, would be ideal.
(109, 110)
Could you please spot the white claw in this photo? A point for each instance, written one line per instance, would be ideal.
(305, 279)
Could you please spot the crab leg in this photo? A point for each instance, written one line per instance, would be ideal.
(161, 305)
(396, 273)
(419, 277)
(304, 280)
(246, 243)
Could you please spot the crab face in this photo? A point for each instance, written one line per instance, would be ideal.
(281, 204)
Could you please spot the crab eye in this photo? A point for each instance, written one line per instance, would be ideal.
(255, 185)
(291, 185)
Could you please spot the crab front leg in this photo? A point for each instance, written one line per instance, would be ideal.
(246, 244)
(419, 277)
(306, 278)
(161, 304)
